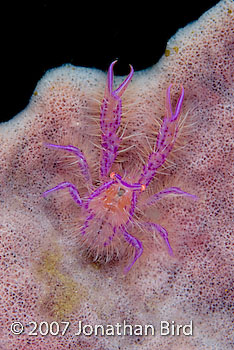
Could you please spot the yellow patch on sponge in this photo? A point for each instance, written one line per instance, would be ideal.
(62, 292)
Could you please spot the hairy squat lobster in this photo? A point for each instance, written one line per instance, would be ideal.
(108, 210)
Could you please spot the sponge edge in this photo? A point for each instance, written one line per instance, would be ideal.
(38, 249)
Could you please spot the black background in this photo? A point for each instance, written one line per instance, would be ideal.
(45, 34)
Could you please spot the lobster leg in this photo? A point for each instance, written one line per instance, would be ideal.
(136, 244)
(166, 139)
(168, 191)
(72, 190)
(81, 158)
(110, 119)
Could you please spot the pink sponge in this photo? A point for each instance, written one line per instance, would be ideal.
(48, 277)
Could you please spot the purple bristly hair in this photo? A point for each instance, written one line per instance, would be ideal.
(111, 237)
(86, 224)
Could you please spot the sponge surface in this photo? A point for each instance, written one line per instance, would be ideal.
(45, 276)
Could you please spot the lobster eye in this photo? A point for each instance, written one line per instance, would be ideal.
(121, 191)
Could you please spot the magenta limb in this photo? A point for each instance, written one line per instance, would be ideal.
(80, 157)
(163, 233)
(72, 190)
(110, 119)
(169, 128)
(168, 191)
(170, 115)
(134, 186)
(133, 205)
(110, 145)
(166, 139)
(135, 243)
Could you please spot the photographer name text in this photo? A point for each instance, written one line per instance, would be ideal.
(165, 328)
